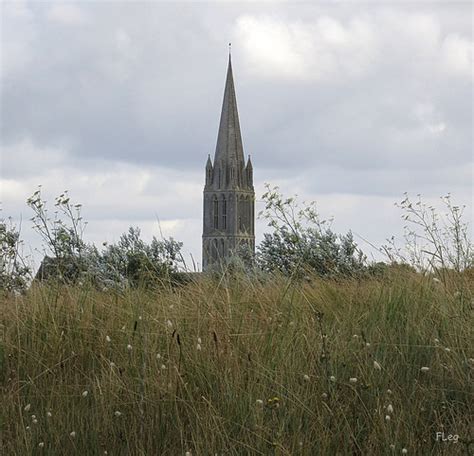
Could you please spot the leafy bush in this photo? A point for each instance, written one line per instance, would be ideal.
(69, 259)
(133, 262)
(302, 241)
(14, 272)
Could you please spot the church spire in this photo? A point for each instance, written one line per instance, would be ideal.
(229, 196)
(229, 149)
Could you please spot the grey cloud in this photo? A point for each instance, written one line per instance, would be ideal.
(98, 86)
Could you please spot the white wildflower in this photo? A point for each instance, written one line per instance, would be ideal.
(447, 350)
(85, 393)
(129, 347)
(324, 395)
(198, 347)
(117, 413)
(392, 446)
(404, 451)
(35, 421)
(425, 369)
(367, 344)
(41, 445)
(389, 391)
(355, 336)
(123, 328)
(170, 325)
(436, 341)
(377, 366)
(199, 340)
(108, 339)
(435, 280)
(387, 417)
(27, 407)
(49, 414)
(259, 402)
(353, 380)
(158, 356)
(306, 378)
(332, 378)
(73, 434)
(163, 367)
(390, 408)
(33, 417)
(471, 360)
(188, 453)
(112, 364)
(27, 428)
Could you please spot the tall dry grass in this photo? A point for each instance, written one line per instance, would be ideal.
(236, 366)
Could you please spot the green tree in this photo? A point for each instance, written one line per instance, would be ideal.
(15, 274)
(302, 241)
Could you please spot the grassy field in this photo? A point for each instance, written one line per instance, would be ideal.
(236, 367)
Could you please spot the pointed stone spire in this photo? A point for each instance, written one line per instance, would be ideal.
(229, 196)
(209, 162)
(209, 171)
(249, 163)
(249, 173)
(229, 149)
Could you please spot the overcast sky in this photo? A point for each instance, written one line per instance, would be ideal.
(349, 104)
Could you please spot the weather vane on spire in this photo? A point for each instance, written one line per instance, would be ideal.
(230, 48)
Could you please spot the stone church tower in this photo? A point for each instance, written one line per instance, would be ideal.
(229, 196)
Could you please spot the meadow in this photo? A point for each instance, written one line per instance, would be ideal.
(241, 366)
